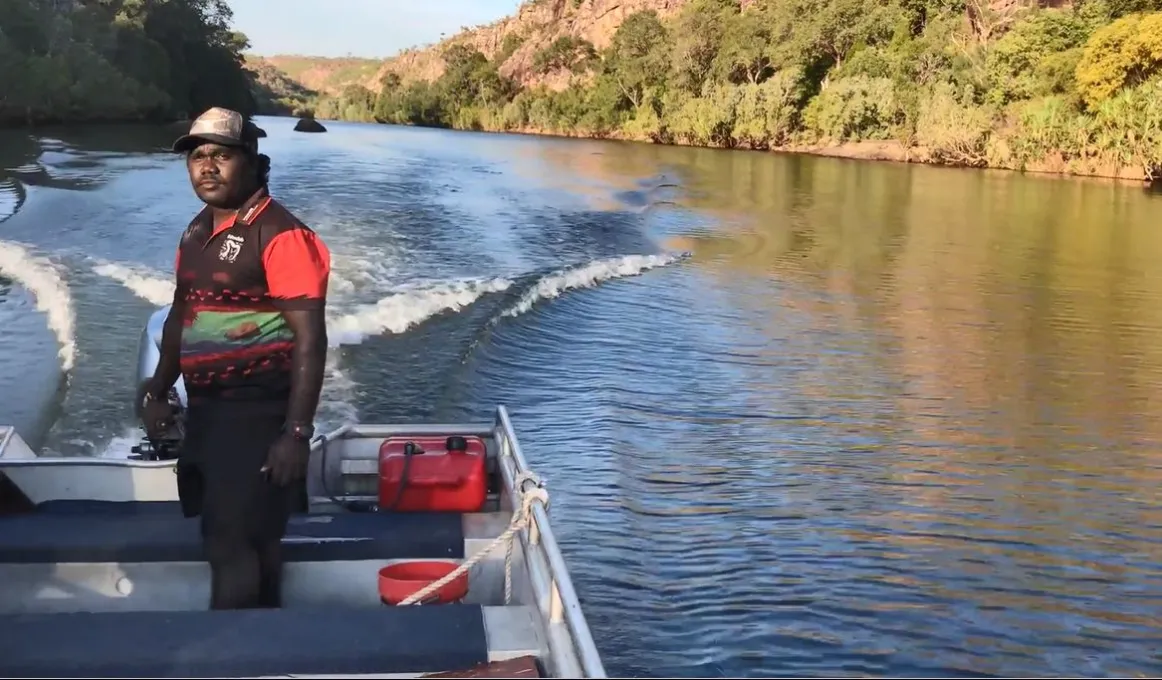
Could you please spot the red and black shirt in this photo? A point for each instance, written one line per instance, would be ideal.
(235, 280)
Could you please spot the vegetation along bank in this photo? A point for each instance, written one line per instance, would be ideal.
(1066, 87)
(1074, 88)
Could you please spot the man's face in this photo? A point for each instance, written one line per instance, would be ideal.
(220, 175)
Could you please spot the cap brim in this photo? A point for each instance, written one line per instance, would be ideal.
(190, 142)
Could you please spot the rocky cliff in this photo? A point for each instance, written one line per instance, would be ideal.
(325, 75)
(535, 26)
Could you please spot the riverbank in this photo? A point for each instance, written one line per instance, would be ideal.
(1043, 91)
(1053, 164)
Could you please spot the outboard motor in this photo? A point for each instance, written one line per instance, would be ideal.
(148, 355)
(167, 446)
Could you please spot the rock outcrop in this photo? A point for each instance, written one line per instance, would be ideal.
(536, 25)
(309, 125)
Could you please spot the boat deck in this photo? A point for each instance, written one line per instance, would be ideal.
(65, 611)
(102, 576)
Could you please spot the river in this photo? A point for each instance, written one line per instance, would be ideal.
(798, 416)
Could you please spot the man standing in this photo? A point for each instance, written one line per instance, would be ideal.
(247, 334)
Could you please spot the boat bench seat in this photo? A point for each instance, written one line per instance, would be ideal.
(243, 643)
(93, 531)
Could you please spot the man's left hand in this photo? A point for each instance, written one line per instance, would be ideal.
(287, 460)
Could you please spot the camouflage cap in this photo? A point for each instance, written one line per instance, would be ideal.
(219, 126)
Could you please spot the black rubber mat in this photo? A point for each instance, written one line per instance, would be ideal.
(243, 643)
(143, 532)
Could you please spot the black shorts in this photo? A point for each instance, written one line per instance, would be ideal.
(220, 472)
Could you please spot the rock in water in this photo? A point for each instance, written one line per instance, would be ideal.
(309, 125)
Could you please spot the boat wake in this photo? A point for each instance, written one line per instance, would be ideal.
(43, 278)
(335, 403)
(404, 308)
(145, 283)
(589, 275)
(398, 312)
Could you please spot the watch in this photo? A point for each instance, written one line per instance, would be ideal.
(299, 430)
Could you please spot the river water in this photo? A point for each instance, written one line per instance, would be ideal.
(798, 416)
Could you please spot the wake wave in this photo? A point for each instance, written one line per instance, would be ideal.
(587, 276)
(395, 313)
(43, 279)
(398, 312)
(144, 283)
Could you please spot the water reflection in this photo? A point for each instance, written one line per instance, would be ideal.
(947, 381)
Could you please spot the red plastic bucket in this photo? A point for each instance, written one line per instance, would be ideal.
(398, 581)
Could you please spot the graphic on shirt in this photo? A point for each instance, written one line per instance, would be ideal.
(231, 247)
(219, 342)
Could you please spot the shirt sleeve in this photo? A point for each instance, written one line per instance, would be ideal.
(298, 266)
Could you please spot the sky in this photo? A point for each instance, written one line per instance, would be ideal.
(360, 28)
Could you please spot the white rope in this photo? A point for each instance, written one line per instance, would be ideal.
(521, 519)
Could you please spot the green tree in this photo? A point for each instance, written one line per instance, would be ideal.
(745, 55)
(1124, 53)
(636, 59)
(566, 52)
(698, 35)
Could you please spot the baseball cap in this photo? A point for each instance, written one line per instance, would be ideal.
(219, 126)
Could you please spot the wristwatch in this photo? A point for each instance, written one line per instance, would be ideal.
(302, 431)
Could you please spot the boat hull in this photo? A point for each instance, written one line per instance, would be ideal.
(106, 539)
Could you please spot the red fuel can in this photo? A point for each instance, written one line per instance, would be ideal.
(432, 474)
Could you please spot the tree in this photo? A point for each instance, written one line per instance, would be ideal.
(745, 55)
(636, 59)
(566, 52)
(699, 33)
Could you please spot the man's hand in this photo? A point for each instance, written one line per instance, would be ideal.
(287, 460)
(157, 415)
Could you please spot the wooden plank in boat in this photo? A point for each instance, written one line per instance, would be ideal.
(520, 667)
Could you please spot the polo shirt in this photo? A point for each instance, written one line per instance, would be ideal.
(235, 281)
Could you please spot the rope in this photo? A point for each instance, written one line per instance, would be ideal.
(520, 520)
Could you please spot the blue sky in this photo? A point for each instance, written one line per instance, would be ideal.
(361, 28)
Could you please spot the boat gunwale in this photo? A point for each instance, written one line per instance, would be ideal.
(538, 537)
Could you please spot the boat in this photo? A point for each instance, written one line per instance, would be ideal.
(102, 576)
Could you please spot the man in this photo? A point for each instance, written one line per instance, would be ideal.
(247, 334)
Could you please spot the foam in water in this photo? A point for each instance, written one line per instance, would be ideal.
(407, 307)
(587, 276)
(399, 312)
(144, 283)
(122, 445)
(41, 277)
(394, 313)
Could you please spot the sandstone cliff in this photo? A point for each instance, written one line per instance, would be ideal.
(536, 25)
(325, 75)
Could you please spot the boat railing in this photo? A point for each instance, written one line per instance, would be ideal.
(571, 645)
(556, 597)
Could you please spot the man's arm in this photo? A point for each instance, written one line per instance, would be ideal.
(169, 366)
(298, 266)
(307, 360)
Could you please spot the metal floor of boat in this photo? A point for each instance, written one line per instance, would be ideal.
(298, 641)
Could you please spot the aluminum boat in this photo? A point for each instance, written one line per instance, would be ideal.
(102, 576)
